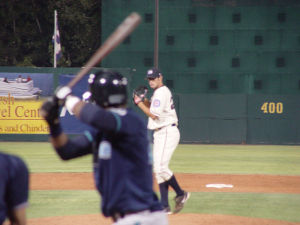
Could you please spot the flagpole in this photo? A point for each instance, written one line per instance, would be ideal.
(156, 30)
(55, 22)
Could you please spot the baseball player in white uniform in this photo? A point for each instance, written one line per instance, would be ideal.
(164, 122)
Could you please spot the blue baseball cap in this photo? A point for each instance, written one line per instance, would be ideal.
(153, 73)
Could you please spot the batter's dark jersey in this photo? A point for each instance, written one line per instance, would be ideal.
(122, 159)
(13, 184)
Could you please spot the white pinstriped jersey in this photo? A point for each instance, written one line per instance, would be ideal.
(162, 106)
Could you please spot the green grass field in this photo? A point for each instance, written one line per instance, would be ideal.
(204, 159)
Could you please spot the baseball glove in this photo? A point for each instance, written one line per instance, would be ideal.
(139, 94)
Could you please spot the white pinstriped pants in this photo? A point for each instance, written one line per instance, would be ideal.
(165, 142)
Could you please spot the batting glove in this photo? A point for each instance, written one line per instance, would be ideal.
(62, 93)
(50, 111)
(71, 101)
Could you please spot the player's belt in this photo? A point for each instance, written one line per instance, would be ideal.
(116, 216)
(172, 125)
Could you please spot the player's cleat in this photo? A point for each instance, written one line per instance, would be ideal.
(167, 210)
(180, 201)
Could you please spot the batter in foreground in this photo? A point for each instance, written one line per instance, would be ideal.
(118, 141)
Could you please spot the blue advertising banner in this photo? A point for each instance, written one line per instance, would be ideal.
(26, 85)
(21, 96)
(70, 123)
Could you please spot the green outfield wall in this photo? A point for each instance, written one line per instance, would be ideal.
(213, 117)
(239, 118)
(233, 65)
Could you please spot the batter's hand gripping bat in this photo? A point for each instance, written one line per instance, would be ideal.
(121, 32)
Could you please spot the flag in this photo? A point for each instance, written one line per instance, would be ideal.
(56, 40)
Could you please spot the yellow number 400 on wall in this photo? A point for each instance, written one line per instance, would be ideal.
(272, 107)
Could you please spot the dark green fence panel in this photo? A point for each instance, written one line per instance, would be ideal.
(228, 118)
(273, 119)
(212, 118)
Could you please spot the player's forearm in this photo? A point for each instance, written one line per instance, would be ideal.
(70, 148)
(147, 102)
(57, 137)
(146, 110)
(75, 147)
(59, 141)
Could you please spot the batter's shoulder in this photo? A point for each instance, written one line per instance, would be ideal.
(17, 164)
(3, 162)
(13, 165)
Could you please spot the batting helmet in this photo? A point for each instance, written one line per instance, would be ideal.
(108, 88)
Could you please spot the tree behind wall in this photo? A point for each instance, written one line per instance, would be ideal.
(27, 28)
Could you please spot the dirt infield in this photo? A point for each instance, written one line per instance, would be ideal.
(191, 182)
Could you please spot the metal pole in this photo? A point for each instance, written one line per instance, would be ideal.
(156, 29)
(54, 36)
